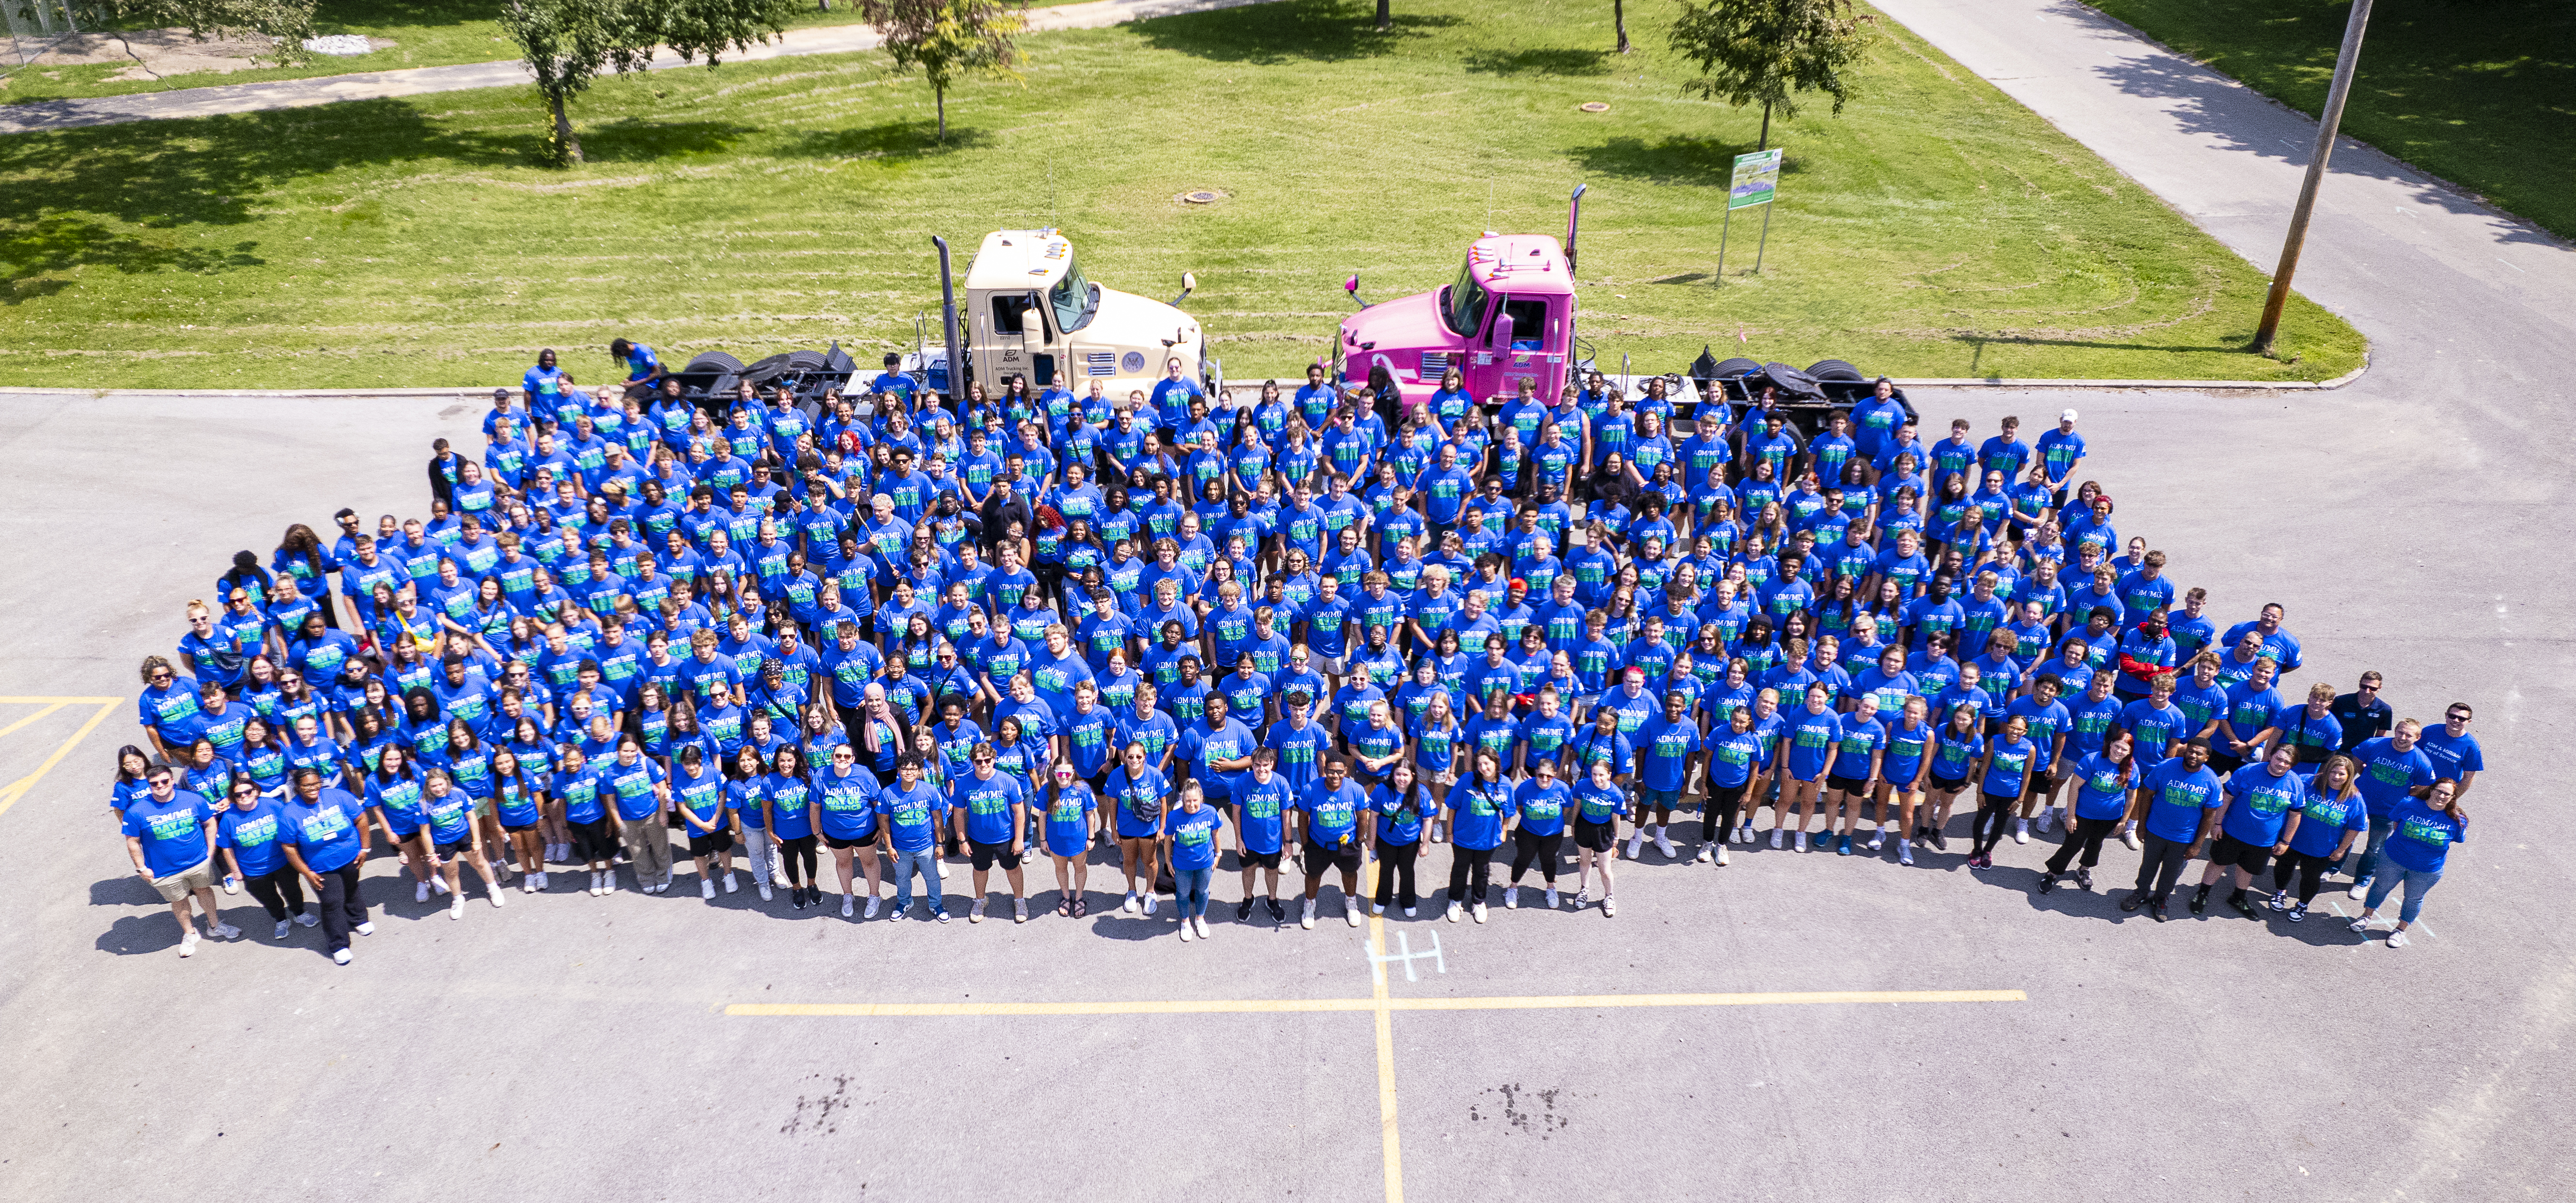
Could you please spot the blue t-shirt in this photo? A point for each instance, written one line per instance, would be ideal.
(2177, 794)
(850, 804)
(1541, 805)
(912, 816)
(1732, 757)
(2389, 776)
(1665, 748)
(2420, 837)
(1399, 818)
(2324, 817)
(1854, 739)
(1477, 811)
(2008, 763)
(1600, 803)
(1139, 799)
(1068, 820)
(254, 836)
(1810, 736)
(988, 803)
(325, 831)
(790, 801)
(1193, 834)
(2103, 789)
(1332, 815)
(1261, 810)
(2258, 804)
(173, 832)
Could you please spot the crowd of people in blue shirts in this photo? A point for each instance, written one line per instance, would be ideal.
(1316, 628)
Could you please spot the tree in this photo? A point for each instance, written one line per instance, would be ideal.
(1619, 19)
(287, 22)
(946, 39)
(1385, 19)
(567, 44)
(1768, 51)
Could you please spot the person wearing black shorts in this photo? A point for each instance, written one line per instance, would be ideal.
(2262, 814)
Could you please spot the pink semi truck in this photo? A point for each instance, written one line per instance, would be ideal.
(1508, 318)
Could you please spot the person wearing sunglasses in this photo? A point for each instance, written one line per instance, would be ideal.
(248, 831)
(170, 833)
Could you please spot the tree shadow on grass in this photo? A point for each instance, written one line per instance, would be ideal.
(30, 251)
(1539, 62)
(1706, 162)
(637, 140)
(897, 141)
(1287, 31)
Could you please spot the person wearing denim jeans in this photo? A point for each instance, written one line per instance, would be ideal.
(2419, 842)
(1189, 840)
(914, 811)
(2391, 770)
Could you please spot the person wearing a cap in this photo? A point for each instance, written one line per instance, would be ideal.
(2058, 451)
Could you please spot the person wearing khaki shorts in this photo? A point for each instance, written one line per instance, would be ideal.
(170, 833)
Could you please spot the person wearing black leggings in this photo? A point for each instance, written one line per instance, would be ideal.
(2102, 784)
(1480, 815)
(1403, 805)
(2332, 818)
(2009, 760)
(1540, 805)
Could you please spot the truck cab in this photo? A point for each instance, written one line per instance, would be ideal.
(1508, 317)
(1028, 311)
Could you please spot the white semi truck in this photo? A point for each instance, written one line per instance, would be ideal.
(1028, 311)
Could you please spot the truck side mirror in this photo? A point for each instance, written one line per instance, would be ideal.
(1032, 325)
(1502, 340)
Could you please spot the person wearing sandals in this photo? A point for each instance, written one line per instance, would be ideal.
(1070, 806)
(2420, 837)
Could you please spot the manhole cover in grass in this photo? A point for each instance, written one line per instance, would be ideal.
(1595, 106)
(1204, 196)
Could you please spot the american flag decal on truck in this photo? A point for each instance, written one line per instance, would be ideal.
(1434, 364)
(1101, 363)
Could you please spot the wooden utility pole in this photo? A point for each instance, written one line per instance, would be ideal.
(2327, 121)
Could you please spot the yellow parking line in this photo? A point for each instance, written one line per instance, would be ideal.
(1585, 1001)
(33, 717)
(18, 789)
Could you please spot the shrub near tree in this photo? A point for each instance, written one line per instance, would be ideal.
(568, 44)
(288, 22)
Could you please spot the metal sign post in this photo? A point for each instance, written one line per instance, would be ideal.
(1756, 181)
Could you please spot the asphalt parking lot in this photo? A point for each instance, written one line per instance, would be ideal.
(619, 1046)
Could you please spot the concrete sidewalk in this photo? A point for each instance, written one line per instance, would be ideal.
(2459, 301)
(377, 85)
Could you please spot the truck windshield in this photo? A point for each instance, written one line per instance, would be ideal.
(1070, 298)
(1465, 313)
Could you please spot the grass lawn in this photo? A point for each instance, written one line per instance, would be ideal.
(2483, 94)
(1935, 229)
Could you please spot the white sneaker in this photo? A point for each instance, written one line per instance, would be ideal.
(420, 891)
(2021, 831)
(1511, 898)
(367, 928)
(1130, 905)
(456, 909)
(707, 888)
(849, 905)
(1350, 912)
(532, 882)
(1149, 903)
(2360, 889)
(2130, 838)
(496, 898)
(1412, 913)
(594, 885)
(1375, 909)
(1775, 838)
(1802, 841)
(341, 957)
(1905, 852)
(730, 887)
(871, 911)
(232, 885)
(975, 913)
(1878, 839)
(1455, 911)
(2397, 939)
(1707, 853)
(1609, 907)
(1185, 931)
(1020, 913)
(1663, 845)
(1199, 924)
(1636, 845)
(1551, 898)
(439, 884)
(1306, 918)
(226, 931)
(1721, 858)
(307, 919)
(2046, 815)
(1480, 912)
(765, 895)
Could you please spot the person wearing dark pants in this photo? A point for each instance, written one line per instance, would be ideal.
(2011, 766)
(1538, 836)
(2332, 817)
(247, 831)
(2102, 784)
(1480, 815)
(1402, 806)
(319, 833)
(2262, 813)
(2175, 807)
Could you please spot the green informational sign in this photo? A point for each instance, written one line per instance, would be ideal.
(1757, 176)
